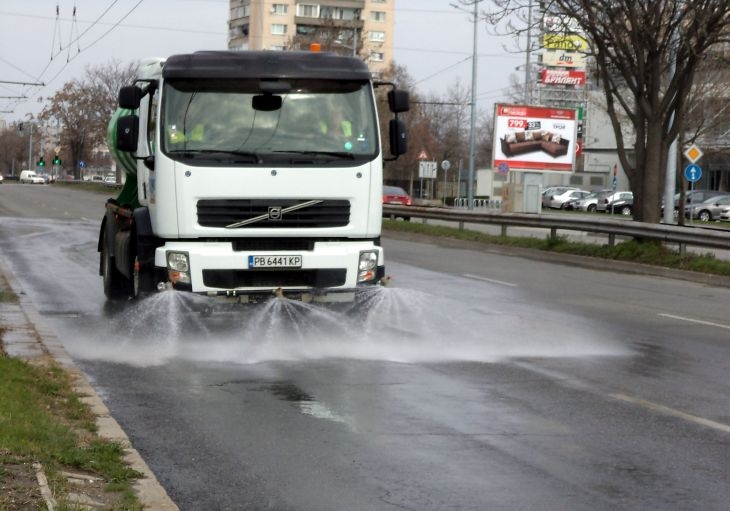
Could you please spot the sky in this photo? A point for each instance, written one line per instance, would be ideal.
(433, 40)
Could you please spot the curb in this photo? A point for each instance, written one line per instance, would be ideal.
(29, 338)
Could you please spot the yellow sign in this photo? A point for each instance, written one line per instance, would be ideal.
(693, 153)
(564, 42)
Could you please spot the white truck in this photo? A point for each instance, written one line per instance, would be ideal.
(249, 173)
(29, 176)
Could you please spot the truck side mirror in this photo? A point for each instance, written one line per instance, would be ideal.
(130, 97)
(398, 137)
(127, 133)
(398, 101)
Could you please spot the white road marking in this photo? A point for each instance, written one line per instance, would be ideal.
(570, 381)
(493, 281)
(665, 410)
(691, 320)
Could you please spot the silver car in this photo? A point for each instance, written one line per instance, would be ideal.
(709, 210)
(588, 203)
(604, 203)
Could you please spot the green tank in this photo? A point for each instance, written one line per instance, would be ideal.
(128, 163)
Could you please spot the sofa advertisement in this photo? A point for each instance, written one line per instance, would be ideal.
(534, 138)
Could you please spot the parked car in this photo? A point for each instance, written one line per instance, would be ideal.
(1, 179)
(97, 179)
(588, 203)
(616, 202)
(566, 199)
(709, 210)
(550, 191)
(725, 214)
(693, 197)
(396, 196)
(110, 181)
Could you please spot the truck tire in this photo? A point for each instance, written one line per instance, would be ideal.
(116, 286)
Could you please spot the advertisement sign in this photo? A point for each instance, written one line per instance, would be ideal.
(562, 77)
(561, 58)
(534, 138)
(564, 42)
(562, 24)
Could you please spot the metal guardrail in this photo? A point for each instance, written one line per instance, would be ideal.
(682, 235)
(463, 202)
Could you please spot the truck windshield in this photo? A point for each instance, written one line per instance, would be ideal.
(317, 120)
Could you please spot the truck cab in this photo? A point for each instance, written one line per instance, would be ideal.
(248, 173)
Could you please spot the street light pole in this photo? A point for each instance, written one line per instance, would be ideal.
(528, 88)
(472, 128)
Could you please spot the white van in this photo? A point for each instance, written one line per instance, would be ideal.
(28, 176)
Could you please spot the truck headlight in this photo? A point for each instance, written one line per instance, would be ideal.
(178, 267)
(367, 267)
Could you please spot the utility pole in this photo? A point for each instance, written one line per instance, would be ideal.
(528, 55)
(30, 148)
(472, 128)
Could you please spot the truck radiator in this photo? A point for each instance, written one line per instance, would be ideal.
(267, 213)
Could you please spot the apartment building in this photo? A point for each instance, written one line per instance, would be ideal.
(354, 27)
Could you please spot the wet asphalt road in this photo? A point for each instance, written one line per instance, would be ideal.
(479, 381)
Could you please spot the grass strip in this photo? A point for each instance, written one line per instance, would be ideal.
(637, 251)
(43, 420)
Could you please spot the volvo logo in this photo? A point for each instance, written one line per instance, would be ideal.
(275, 212)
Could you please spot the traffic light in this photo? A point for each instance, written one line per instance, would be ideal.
(41, 163)
(56, 160)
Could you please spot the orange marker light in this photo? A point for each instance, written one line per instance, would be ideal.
(315, 47)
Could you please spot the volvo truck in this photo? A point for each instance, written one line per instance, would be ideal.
(249, 173)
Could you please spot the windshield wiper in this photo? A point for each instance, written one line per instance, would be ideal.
(192, 153)
(333, 154)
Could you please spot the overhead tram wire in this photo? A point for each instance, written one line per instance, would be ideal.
(77, 39)
(74, 27)
(56, 31)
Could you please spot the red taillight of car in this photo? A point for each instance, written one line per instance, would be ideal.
(408, 201)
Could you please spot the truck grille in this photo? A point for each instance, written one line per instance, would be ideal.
(233, 279)
(224, 212)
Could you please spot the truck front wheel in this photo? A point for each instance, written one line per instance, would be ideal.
(116, 286)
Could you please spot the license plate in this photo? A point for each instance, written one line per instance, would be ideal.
(275, 261)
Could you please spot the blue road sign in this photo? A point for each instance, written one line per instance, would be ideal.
(503, 168)
(82, 164)
(692, 173)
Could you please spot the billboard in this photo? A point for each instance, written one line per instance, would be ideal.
(562, 77)
(561, 58)
(534, 138)
(564, 42)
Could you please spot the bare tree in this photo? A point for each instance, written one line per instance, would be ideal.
(13, 150)
(647, 54)
(83, 108)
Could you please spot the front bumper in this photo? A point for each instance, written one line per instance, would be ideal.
(328, 272)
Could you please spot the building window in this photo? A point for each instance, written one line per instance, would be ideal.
(279, 9)
(241, 30)
(377, 36)
(240, 12)
(378, 16)
(278, 29)
(308, 10)
(377, 56)
(378, 1)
